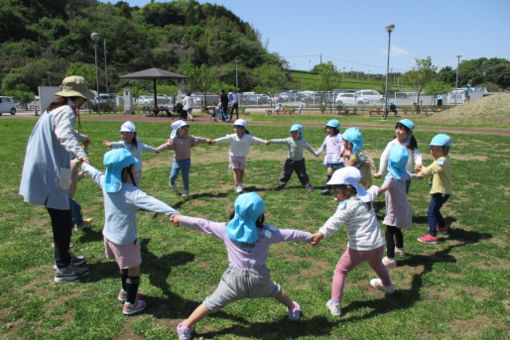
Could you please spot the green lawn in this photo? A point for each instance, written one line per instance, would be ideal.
(456, 289)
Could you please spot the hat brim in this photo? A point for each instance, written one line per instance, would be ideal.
(88, 94)
(113, 181)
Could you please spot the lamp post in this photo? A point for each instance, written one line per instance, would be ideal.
(105, 68)
(95, 37)
(457, 78)
(389, 29)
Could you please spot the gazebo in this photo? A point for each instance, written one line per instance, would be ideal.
(154, 74)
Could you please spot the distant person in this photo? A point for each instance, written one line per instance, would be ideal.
(188, 106)
(233, 99)
(278, 107)
(224, 102)
(467, 96)
(46, 176)
(439, 101)
(393, 107)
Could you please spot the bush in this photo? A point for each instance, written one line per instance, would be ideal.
(322, 107)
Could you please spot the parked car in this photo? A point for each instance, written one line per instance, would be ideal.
(145, 100)
(350, 98)
(106, 98)
(372, 95)
(7, 105)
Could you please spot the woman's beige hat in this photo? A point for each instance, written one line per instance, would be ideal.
(74, 86)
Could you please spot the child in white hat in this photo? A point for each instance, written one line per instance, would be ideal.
(240, 142)
(295, 161)
(121, 202)
(333, 147)
(366, 242)
(181, 142)
(129, 141)
(441, 172)
(247, 239)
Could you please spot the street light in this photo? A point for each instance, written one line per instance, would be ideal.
(389, 29)
(105, 67)
(457, 78)
(95, 37)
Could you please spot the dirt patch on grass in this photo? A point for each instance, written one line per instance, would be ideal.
(478, 294)
(318, 268)
(129, 334)
(470, 328)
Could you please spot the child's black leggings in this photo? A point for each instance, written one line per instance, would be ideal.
(393, 237)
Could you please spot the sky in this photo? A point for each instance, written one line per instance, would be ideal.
(352, 34)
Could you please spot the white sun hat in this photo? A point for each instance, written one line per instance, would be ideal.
(350, 175)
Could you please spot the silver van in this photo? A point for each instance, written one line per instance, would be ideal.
(7, 105)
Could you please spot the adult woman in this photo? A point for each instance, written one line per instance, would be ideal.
(46, 176)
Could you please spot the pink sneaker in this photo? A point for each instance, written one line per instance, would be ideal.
(442, 230)
(295, 313)
(131, 309)
(122, 296)
(428, 239)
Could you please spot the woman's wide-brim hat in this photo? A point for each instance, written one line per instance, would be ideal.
(74, 86)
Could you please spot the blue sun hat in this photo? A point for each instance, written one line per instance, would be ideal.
(248, 208)
(353, 135)
(397, 162)
(114, 161)
(298, 128)
(441, 140)
(176, 126)
(407, 123)
(333, 123)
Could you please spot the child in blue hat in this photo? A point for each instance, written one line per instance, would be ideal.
(333, 146)
(403, 136)
(398, 210)
(121, 202)
(295, 161)
(353, 156)
(441, 172)
(247, 239)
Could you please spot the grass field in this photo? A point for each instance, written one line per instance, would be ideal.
(456, 289)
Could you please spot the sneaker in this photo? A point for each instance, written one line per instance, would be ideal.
(175, 189)
(76, 261)
(377, 284)
(389, 263)
(295, 313)
(442, 230)
(334, 308)
(133, 308)
(280, 187)
(309, 187)
(239, 189)
(325, 192)
(184, 332)
(428, 239)
(400, 251)
(69, 273)
(85, 224)
(122, 296)
(185, 194)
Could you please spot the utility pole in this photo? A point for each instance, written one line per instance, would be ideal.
(457, 78)
(105, 67)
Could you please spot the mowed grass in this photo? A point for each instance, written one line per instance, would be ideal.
(456, 289)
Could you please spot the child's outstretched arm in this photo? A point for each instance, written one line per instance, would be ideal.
(258, 140)
(216, 229)
(316, 238)
(165, 146)
(275, 235)
(148, 148)
(107, 143)
(96, 175)
(309, 148)
(144, 201)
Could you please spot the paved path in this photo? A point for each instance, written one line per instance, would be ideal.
(205, 119)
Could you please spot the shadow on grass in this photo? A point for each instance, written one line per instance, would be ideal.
(89, 235)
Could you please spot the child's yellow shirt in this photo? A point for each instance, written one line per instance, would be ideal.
(442, 175)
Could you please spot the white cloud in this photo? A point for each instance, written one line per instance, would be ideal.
(398, 52)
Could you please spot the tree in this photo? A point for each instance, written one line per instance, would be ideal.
(421, 74)
(437, 87)
(200, 79)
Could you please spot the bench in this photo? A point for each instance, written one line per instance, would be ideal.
(290, 111)
(380, 112)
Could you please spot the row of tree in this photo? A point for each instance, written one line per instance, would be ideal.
(43, 40)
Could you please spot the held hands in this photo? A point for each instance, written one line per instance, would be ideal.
(175, 219)
(107, 143)
(377, 175)
(418, 167)
(211, 141)
(316, 238)
(269, 142)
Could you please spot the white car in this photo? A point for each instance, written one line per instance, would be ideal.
(372, 95)
(350, 98)
(7, 105)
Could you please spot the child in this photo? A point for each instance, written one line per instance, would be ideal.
(404, 136)
(247, 240)
(121, 202)
(181, 142)
(353, 156)
(295, 161)
(239, 146)
(333, 146)
(398, 210)
(129, 141)
(441, 186)
(366, 242)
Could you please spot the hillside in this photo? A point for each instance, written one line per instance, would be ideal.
(491, 111)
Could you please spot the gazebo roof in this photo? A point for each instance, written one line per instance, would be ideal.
(153, 73)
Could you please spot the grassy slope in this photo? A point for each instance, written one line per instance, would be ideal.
(457, 289)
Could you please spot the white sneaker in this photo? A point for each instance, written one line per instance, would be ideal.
(185, 194)
(175, 188)
(389, 263)
(377, 284)
(239, 189)
(400, 251)
(334, 308)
